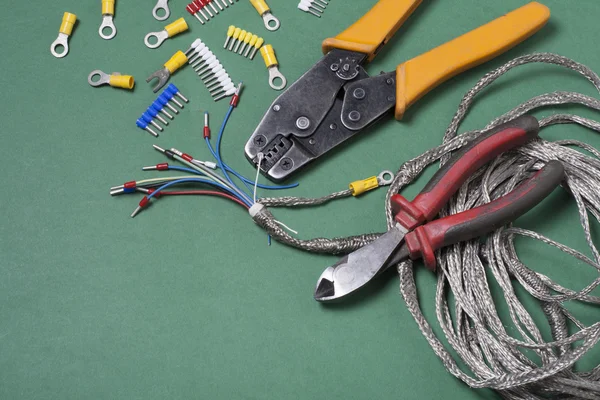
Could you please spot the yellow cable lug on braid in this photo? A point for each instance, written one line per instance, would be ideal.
(268, 55)
(271, 23)
(108, 11)
(65, 30)
(114, 80)
(359, 187)
(170, 30)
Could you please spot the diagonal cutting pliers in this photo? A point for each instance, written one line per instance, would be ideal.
(336, 99)
(414, 237)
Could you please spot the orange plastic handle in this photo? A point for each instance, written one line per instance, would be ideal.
(374, 29)
(418, 76)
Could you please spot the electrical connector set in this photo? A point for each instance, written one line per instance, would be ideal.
(201, 9)
(245, 43)
(153, 112)
(210, 70)
(242, 42)
(314, 7)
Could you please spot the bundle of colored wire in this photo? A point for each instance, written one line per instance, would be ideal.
(228, 189)
(485, 353)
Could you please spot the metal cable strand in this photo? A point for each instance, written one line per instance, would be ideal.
(302, 201)
(497, 352)
(476, 332)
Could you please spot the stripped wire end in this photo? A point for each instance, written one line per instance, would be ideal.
(143, 204)
(236, 96)
(167, 153)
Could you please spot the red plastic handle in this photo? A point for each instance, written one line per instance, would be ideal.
(467, 225)
(463, 164)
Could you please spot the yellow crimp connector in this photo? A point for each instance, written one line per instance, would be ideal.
(359, 187)
(242, 35)
(176, 27)
(122, 81)
(177, 61)
(108, 7)
(236, 33)
(268, 55)
(261, 6)
(230, 30)
(67, 24)
(253, 41)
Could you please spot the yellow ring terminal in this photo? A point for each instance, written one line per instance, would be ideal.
(122, 81)
(177, 61)
(359, 187)
(108, 7)
(176, 27)
(67, 24)
(268, 55)
(260, 6)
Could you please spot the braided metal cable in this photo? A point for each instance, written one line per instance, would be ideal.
(521, 365)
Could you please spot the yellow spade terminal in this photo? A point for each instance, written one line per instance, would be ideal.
(115, 80)
(108, 11)
(170, 30)
(178, 60)
(268, 55)
(271, 23)
(359, 187)
(66, 27)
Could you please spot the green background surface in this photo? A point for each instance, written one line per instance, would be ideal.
(187, 300)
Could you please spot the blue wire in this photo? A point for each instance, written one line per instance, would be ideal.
(200, 180)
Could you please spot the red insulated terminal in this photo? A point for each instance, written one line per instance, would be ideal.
(236, 96)
(187, 157)
(206, 127)
(129, 185)
(158, 167)
(143, 204)
(192, 8)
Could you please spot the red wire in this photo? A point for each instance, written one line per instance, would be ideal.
(203, 192)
